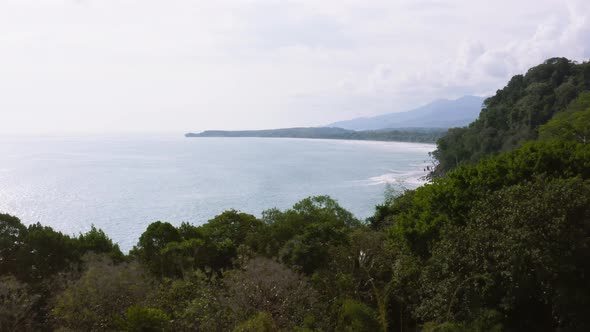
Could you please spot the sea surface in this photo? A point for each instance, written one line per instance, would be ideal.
(123, 183)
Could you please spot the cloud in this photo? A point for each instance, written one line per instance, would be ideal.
(479, 67)
(100, 65)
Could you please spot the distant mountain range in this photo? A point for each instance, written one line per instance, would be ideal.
(438, 114)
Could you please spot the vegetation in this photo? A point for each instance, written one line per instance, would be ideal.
(499, 243)
(422, 135)
(515, 113)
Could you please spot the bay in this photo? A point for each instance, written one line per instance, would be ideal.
(123, 183)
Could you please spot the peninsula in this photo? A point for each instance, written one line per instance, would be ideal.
(421, 135)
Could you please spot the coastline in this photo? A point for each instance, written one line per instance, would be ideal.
(418, 135)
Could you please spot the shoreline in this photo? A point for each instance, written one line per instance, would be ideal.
(432, 144)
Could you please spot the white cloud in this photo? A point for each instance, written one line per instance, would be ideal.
(480, 66)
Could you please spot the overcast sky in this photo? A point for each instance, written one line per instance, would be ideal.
(99, 66)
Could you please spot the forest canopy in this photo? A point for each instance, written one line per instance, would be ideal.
(515, 113)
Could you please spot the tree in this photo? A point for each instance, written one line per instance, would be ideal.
(357, 317)
(99, 299)
(225, 233)
(145, 319)
(302, 235)
(309, 251)
(261, 322)
(17, 306)
(264, 285)
(150, 245)
(194, 302)
(418, 215)
(12, 233)
(522, 253)
(43, 252)
(97, 241)
(572, 125)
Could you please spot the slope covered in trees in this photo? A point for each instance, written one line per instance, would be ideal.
(515, 113)
(501, 244)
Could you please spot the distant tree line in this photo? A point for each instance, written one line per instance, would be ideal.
(418, 135)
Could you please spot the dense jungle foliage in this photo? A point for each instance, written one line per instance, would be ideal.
(499, 243)
(514, 114)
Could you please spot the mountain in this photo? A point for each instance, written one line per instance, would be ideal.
(438, 114)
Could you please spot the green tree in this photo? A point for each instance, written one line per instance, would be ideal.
(302, 236)
(150, 245)
(145, 319)
(522, 253)
(193, 302)
(225, 233)
(357, 317)
(261, 322)
(95, 240)
(418, 215)
(572, 125)
(310, 250)
(43, 252)
(12, 234)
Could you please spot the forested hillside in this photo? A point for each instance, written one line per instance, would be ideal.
(499, 243)
(515, 113)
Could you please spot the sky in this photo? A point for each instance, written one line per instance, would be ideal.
(117, 66)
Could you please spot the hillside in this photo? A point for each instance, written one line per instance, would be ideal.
(438, 114)
(514, 114)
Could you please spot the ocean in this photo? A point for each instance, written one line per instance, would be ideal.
(123, 183)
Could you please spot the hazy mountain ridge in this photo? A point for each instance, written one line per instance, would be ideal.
(442, 113)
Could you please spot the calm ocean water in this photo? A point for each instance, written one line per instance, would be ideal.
(123, 183)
